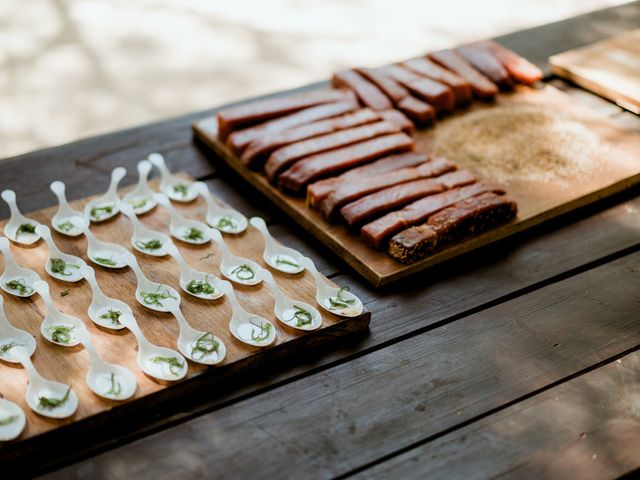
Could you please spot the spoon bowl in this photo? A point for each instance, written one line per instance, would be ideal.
(103, 311)
(66, 220)
(19, 229)
(12, 420)
(149, 294)
(16, 280)
(145, 240)
(277, 256)
(198, 284)
(59, 265)
(140, 199)
(57, 327)
(108, 205)
(107, 255)
(176, 188)
(184, 229)
(11, 336)
(237, 269)
(224, 219)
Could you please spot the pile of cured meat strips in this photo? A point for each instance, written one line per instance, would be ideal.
(349, 148)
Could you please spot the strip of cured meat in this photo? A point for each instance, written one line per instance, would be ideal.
(420, 112)
(388, 85)
(319, 190)
(328, 163)
(437, 94)
(260, 149)
(460, 87)
(398, 118)
(348, 192)
(459, 178)
(233, 118)
(482, 87)
(240, 139)
(486, 62)
(284, 157)
(377, 232)
(367, 92)
(473, 215)
(520, 68)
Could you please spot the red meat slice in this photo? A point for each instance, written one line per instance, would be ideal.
(438, 95)
(482, 87)
(366, 91)
(460, 87)
(520, 68)
(398, 118)
(487, 63)
(388, 85)
(420, 112)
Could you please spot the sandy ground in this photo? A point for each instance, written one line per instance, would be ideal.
(74, 68)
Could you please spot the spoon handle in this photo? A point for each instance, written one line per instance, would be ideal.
(174, 308)
(132, 263)
(117, 174)
(59, 189)
(278, 294)
(174, 253)
(42, 288)
(163, 200)
(261, 226)
(45, 233)
(216, 236)
(158, 161)
(20, 353)
(6, 251)
(228, 290)
(131, 324)
(144, 167)
(9, 196)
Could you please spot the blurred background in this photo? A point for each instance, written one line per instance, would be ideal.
(74, 68)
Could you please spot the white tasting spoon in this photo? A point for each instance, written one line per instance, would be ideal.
(184, 229)
(199, 284)
(293, 313)
(196, 345)
(227, 220)
(161, 363)
(108, 205)
(141, 197)
(107, 255)
(59, 265)
(19, 229)
(11, 336)
(339, 301)
(46, 397)
(174, 187)
(237, 269)
(103, 311)
(57, 327)
(283, 259)
(16, 280)
(248, 327)
(12, 420)
(66, 220)
(145, 240)
(148, 293)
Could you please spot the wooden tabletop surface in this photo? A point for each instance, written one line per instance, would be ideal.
(519, 360)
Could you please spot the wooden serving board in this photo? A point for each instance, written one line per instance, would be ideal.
(70, 365)
(550, 154)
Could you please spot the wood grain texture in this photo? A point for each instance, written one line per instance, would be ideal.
(612, 167)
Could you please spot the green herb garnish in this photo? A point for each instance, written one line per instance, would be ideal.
(116, 388)
(59, 266)
(202, 287)
(51, 403)
(339, 301)
(208, 255)
(4, 349)
(226, 223)
(194, 234)
(154, 298)
(29, 228)
(141, 202)
(60, 333)
(64, 293)
(265, 329)
(66, 226)
(174, 364)
(97, 212)
(8, 420)
(20, 286)
(154, 244)
(181, 188)
(105, 261)
(243, 272)
(112, 315)
(205, 345)
(303, 317)
(283, 261)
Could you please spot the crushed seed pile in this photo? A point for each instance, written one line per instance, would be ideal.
(519, 141)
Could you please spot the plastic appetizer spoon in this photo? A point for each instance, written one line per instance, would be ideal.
(339, 301)
(184, 229)
(108, 205)
(161, 363)
(196, 345)
(108, 255)
(141, 197)
(16, 280)
(12, 420)
(60, 266)
(145, 240)
(46, 397)
(227, 220)
(199, 284)
(293, 313)
(248, 327)
(284, 259)
(106, 379)
(11, 336)
(19, 229)
(66, 221)
(151, 294)
(237, 269)
(57, 327)
(103, 311)
(174, 187)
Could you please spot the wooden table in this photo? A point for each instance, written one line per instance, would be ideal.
(519, 360)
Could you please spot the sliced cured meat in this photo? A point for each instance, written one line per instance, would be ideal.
(473, 215)
(390, 198)
(367, 92)
(486, 62)
(319, 190)
(350, 191)
(482, 87)
(459, 178)
(233, 118)
(399, 118)
(260, 149)
(420, 112)
(518, 67)
(437, 94)
(334, 161)
(240, 139)
(388, 85)
(284, 157)
(460, 87)
(377, 232)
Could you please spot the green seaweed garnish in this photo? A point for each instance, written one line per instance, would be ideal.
(64, 293)
(29, 228)
(51, 403)
(265, 329)
(202, 287)
(283, 261)
(243, 272)
(66, 226)
(226, 223)
(154, 298)
(60, 333)
(97, 212)
(105, 261)
(193, 234)
(203, 346)
(181, 188)
(59, 266)
(208, 255)
(339, 301)
(4, 349)
(116, 388)
(141, 202)
(303, 317)
(19, 285)
(112, 315)
(174, 364)
(8, 420)
(153, 244)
